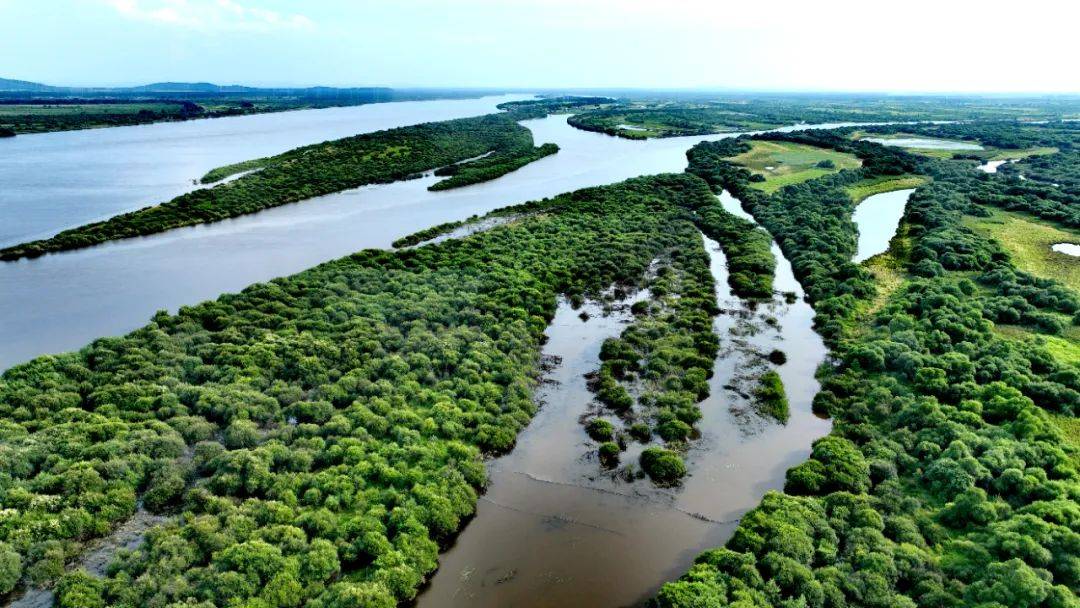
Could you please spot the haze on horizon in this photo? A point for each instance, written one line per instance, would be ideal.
(833, 45)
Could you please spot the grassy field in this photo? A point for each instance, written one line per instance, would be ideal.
(84, 109)
(870, 187)
(1028, 241)
(784, 163)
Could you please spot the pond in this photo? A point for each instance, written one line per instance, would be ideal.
(878, 217)
(925, 143)
(1072, 249)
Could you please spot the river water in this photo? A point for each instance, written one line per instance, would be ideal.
(551, 530)
(62, 301)
(54, 181)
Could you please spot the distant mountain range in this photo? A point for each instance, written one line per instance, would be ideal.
(8, 85)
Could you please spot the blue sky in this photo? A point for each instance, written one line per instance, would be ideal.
(861, 45)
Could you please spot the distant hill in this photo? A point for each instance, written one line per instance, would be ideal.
(6, 84)
(187, 89)
(191, 87)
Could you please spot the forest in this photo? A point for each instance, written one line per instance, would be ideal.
(320, 169)
(317, 440)
(319, 437)
(27, 107)
(946, 480)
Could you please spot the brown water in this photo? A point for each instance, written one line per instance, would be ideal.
(553, 530)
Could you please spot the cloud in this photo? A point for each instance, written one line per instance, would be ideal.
(226, 15)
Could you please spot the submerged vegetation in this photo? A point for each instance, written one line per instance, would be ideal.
(321, 169)
(770, 398)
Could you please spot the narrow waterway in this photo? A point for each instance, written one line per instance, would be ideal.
(553, 530)
(877, 218)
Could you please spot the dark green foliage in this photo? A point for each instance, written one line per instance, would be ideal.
(777, 356)
(320, 169)
(663, 466)
(944, 483)
(770, 398)
(609, 453)
(10, 568)
(600, 429)
(334, 419)
(490, 167)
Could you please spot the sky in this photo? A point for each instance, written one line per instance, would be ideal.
(781, 45)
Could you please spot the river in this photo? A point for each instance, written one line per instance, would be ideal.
(62, 301)
(550, 531)
(55, 181)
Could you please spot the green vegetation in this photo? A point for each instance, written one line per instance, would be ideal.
(770, 398)
(41, 108)
(600, 429)
(866, 188)
(1028, 241)
(321, 169)
(663, 466)
(321, 434)
(664, 121)
(220, 173)
(782, 163)
(945, 481)
(490, 167)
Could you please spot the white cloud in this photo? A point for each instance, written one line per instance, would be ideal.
(208, 15)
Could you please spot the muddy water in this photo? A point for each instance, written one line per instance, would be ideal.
(554, 530)
(878, 217)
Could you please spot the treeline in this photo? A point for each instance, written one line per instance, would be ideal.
(665, 121)
(539, 108)
(318, 437)
(317, 170)
(499, 163)
(944, 482)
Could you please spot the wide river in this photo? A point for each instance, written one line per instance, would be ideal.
(63, 301)
(54, 181)
(550, 531)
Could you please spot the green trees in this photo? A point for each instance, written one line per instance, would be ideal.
(321, 169)
(944, 482)
(317, 436)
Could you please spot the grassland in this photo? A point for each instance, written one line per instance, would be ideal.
(1028, 242)
(783, 163)
(869, 187)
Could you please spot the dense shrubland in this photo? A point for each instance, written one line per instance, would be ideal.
(944, 482)
(320, 435)
(320, 169)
